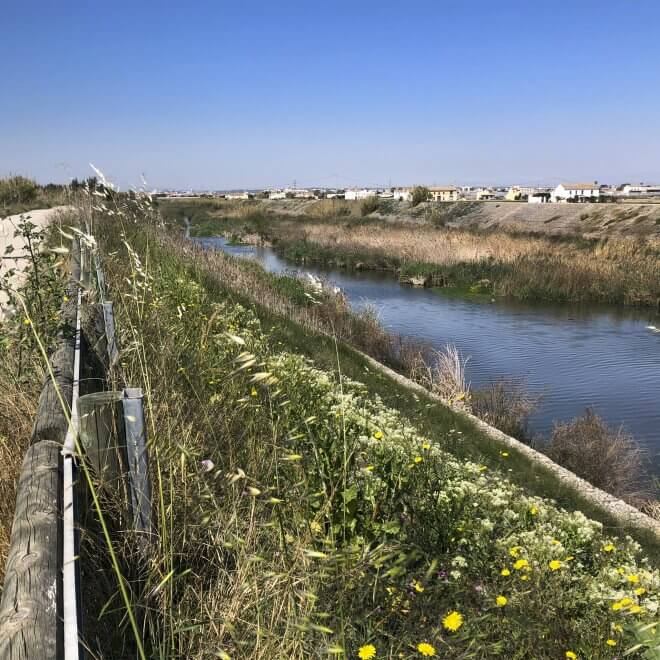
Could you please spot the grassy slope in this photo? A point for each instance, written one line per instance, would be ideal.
(426, 413)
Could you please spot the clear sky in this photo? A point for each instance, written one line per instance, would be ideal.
(249, 94)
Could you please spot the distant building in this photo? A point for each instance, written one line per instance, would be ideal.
(640, 190)
(361, 194)
(576, 192)
(485, 194)
(538, 197)
(239, 195)
(444, 193)
(402, 194)
(517, 193)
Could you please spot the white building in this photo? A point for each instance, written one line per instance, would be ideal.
(239, 195)
(640, 190)
(444, 193)
(538, 197)
(577, 192)
(484, 194)
(402, 194)
(360, 194)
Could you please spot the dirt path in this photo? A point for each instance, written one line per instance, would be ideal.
(16, 258)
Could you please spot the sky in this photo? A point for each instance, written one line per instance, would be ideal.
(224, 95)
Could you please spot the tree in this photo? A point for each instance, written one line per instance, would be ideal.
(420, 194)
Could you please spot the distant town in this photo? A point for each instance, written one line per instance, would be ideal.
(568, 192)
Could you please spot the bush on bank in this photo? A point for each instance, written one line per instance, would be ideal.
(302, 517)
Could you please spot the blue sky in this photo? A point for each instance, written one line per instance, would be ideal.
(250, 94)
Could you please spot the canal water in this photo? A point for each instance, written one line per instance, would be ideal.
(573, 356)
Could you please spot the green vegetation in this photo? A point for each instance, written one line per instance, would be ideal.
(19, 194)
(420, 194)
(311, 508)
(624, 271)
(369, 205)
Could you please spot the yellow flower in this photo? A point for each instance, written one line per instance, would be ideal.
(633, 579)
(505, 572)
(636, 609)
(26, 322)
(524, 577)
(515, 550)
(453, 621)
(426, 445)
(378, 435)
(369, 468)
(534, 510)
(620, 570)
(253, 391)
(315, 526)
(616, 606)
(555, 565)
(570, 654)
(520, 564)
(640, 591)
(418, 459)
(367, 652)
(504, 454)
(501, 601)
(555, 542)
(425, 649)
(617, 627)
(625, 602)
(609, 548)
(419, 587)
(611, 642)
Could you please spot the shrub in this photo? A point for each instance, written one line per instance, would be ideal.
(17, 190)
(369, 205)
(505, 405)
(420, 194)
(608, 458)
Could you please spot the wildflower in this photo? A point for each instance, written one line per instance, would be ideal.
(620, 570)
(426, 445)
(515, 551)
(253, 391)
(315, 526)
(369, 468)
(418, 459)
(611, 642)
(501, 601)
(534, 510)
(26, 322)
(571, 655)
(640, 591)
(482, 468)
(520, 564)
(636, 609)
(554, 565)
(504, 454)
(609, 548)
(427, 650)
(505, 572)
(367, 652)
(207, 465)
(524, 577)
(453, 621)
(378, 435)
(617, 627)
(419, 587)
(633, 579)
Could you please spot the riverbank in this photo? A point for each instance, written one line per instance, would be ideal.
(493, 263)
(320, 507)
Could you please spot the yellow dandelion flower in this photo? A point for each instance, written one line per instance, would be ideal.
(367, 652)
(515, 551)
(426, 445)
(427, 650)
(501, 601)
(611, 642)
(609, 547)
(520, 564)
(26, 322)
(453, 621)
(617, 627)
(418, 459)
(555, 542)
(636, 609)
(534, 510)
(505, 572)
(419, 587)
(625, 602)
(640, 591)
(524, 577)
(554, 565)
(378, 435)
(504, 454)
(633, 579)
(253, 391)
(571, 655)
(616, 606)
